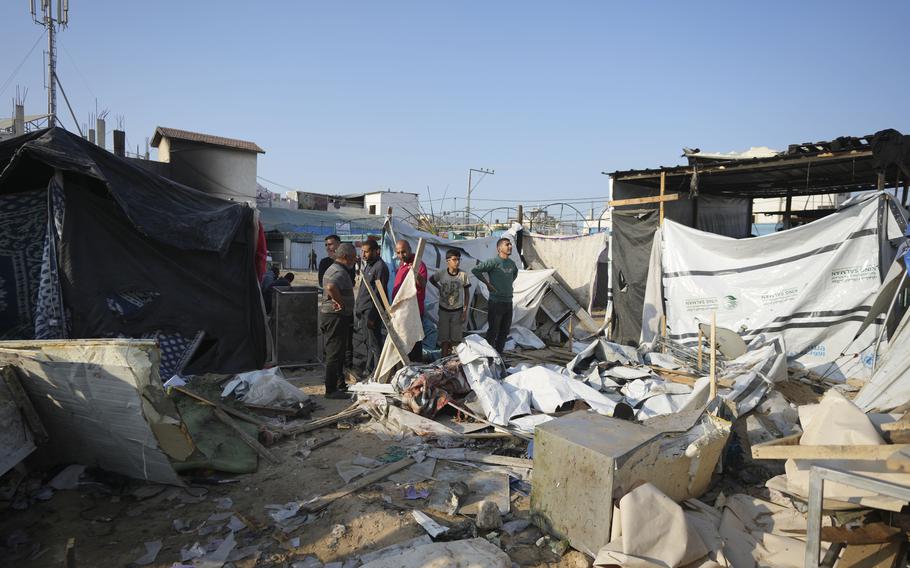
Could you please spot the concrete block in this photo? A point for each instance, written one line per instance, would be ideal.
(585, 461)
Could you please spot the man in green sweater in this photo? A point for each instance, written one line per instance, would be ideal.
(498, 274)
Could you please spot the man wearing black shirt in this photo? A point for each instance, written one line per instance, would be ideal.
(367, 323)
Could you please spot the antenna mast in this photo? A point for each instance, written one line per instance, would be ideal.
(51, 24)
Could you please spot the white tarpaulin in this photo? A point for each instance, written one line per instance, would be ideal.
(405, 318)
(527, 293)
(573, 257)
(813, 284)
(549, 390)
(500, 401)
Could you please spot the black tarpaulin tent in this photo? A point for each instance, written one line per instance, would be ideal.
(93, 246)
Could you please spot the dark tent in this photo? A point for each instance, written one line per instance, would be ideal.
(93, 246)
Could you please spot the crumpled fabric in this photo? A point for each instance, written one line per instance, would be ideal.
(655, 533)
(482, 368)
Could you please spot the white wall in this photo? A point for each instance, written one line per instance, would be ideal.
(403, 204)
(224, 172)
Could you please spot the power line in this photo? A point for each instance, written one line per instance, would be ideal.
(276, 183)
(21, 63)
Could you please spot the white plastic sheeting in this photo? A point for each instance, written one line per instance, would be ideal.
(549, 390)
(500, 401)
(573, 257)
(527, 292)
(813, 284)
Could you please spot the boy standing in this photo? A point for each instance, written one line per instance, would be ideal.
(453, 287)
(498, 273)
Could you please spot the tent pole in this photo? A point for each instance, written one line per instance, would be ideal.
(663, 187)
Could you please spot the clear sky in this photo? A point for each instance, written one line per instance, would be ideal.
(354, 96)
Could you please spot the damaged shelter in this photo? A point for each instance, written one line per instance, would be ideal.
(682, 248)
(92, 246)
(720, 433)
(113, 279)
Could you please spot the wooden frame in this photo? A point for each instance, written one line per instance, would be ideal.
(789, 448)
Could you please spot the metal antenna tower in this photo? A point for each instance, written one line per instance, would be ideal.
(484, 172)
(51, 24)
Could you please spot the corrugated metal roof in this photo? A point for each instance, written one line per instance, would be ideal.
(201, 138)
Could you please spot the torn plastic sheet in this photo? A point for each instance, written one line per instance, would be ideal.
(602, 350)
(549, 390)
(266, 387)
(499, 400)
(524, 337)
(754, 372)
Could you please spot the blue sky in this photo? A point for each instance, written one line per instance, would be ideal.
(355, 96)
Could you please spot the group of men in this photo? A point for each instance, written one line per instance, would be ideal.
(353, 329)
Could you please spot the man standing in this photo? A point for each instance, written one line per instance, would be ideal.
(453, 286)
(406, 260)
(367, 323)
(312, 264)
(498, 274)
(331, 243)
(336, 311)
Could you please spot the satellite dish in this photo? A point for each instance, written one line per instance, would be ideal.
(729, 343)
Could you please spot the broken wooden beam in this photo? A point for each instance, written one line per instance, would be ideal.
(324, 501)
(249, 440)
(227, 409)
(350, 412)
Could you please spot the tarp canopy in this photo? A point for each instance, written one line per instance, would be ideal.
(814, 284)
(93, 246)
(575, 259)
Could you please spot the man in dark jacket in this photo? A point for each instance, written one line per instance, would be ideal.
(367, 323)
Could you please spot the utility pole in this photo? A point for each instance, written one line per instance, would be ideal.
(483, 173)
(46, 19)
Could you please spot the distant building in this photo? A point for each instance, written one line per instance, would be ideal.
(404, 204)
(224, 167)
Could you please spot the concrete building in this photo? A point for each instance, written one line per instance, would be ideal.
(402, 203)
(224, 167)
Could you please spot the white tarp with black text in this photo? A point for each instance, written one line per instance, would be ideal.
(813, 284)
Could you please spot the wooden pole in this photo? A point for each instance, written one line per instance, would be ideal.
(700, 346)
(713, 370)
(247, 439)
(663, 187)
(521, 214)
(387, 321)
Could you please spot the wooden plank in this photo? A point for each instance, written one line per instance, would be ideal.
(249, 440)
(663, 187)
(514, 433)
(481, 457)
(321, 503)
(24, 404)
(642, 200)
(713, 369)
(789, 448)
(380, 291)
(870, 555)
(349, 412)
(392, 335)
(69, 553)
(873, 533)
(227, 409)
